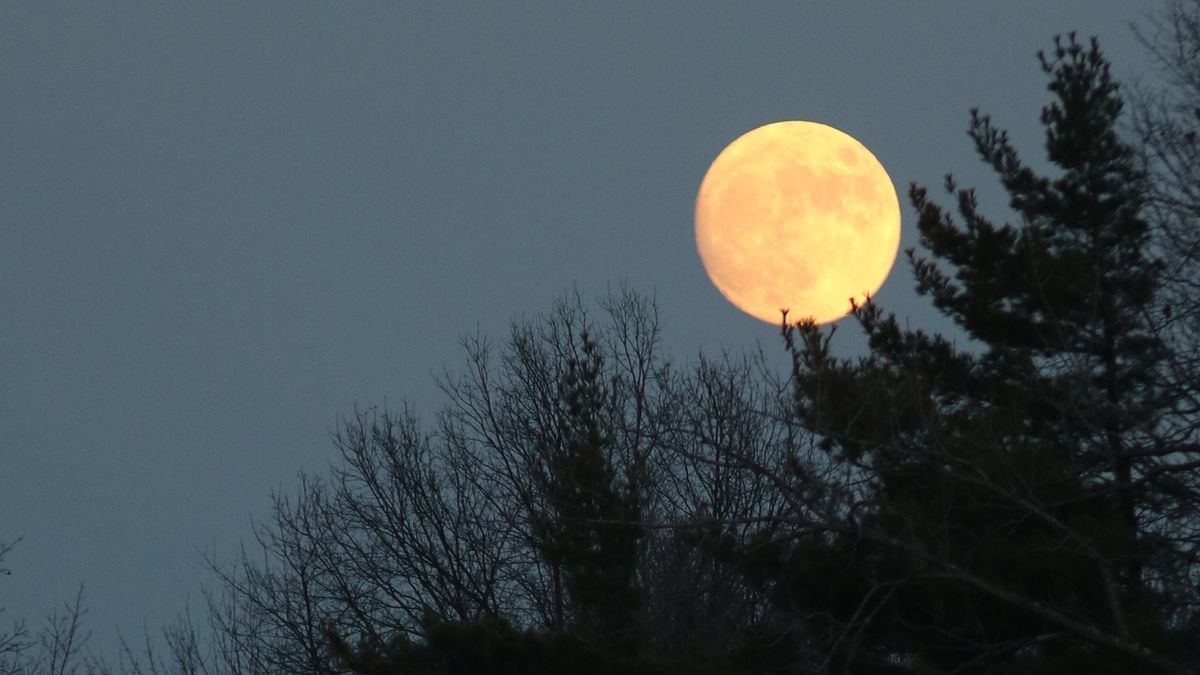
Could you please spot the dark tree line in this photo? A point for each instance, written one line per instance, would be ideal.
(1022, 502)
(1021, 497)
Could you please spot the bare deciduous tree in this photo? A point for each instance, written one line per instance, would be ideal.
(412, 523)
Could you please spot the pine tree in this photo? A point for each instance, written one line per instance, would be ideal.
(589, 529)
(1000, 505)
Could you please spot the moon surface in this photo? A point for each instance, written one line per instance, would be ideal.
(799, 216)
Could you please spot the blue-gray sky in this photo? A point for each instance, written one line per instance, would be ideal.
(224, 224)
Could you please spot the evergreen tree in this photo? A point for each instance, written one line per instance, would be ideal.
(589, 528)
(1001, 500)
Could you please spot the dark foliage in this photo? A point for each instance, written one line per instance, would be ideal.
(1008, 494)
(588, 529)
(493, 646)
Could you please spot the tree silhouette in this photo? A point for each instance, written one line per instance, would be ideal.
(590, 527)
(1007, 504)
(561, 510)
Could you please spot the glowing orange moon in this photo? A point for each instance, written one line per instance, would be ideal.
(799, 216)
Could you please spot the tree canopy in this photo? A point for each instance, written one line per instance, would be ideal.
(1018, 497)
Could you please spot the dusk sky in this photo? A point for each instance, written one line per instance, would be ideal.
(223, 226)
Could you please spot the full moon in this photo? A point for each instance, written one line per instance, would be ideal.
(799, 216)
